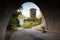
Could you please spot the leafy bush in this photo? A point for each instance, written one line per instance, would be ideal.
(43, 27)
(31, 23)
(13, 22)
(26, 25)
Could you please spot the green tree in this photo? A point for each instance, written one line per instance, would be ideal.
(14, 22)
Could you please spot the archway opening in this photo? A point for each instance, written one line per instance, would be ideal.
(31, 15)
(28, 16)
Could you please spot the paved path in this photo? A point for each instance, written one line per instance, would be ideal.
(28, 34)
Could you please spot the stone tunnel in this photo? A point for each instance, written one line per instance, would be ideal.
(49, 8)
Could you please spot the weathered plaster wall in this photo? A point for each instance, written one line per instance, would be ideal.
(6, 10)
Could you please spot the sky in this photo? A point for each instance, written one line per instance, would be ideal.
(27, 6)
